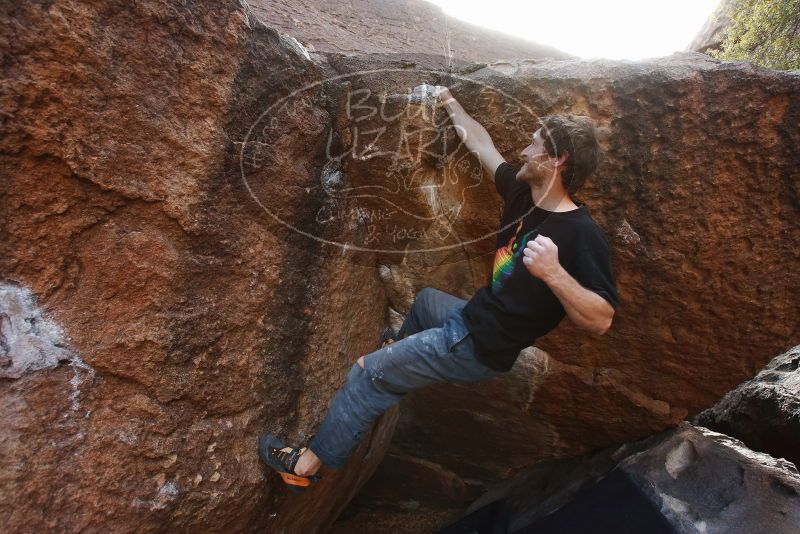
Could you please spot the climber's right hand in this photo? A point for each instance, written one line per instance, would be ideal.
(442, 92)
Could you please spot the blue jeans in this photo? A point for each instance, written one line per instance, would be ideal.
(438, 348)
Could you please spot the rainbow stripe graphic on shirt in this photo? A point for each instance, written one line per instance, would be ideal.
(505, 257)
(504, 261)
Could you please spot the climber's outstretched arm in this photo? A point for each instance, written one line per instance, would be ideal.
(475, 136)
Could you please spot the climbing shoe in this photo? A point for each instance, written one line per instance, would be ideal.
(283, 459)
(387, 337)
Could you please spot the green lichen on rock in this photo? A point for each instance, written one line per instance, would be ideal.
(766, 32)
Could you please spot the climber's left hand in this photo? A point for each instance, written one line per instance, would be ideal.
(541, 258)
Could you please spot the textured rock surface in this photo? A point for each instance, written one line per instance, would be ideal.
(124, 213)
(207, 307)
(701, 481)
(707, 482)
(402, 26)
(763, 412)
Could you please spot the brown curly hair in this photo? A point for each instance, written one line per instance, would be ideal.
(576, 135)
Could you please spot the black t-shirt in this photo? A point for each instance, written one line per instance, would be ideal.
(515, 308)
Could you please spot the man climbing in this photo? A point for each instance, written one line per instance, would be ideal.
(551, 260)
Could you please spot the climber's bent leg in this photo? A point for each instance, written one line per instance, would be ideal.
(444, 354)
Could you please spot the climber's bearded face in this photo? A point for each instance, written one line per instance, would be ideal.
(539, 166)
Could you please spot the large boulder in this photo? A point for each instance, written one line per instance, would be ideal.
(697, 196)
(180, 319)
(708, 482)
(763, 412)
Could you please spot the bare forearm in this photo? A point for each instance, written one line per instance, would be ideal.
(469, 130)
(585, 308)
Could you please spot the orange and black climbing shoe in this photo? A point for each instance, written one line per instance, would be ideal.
(283, 459)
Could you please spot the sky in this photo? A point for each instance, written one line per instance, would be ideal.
(614, 29)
